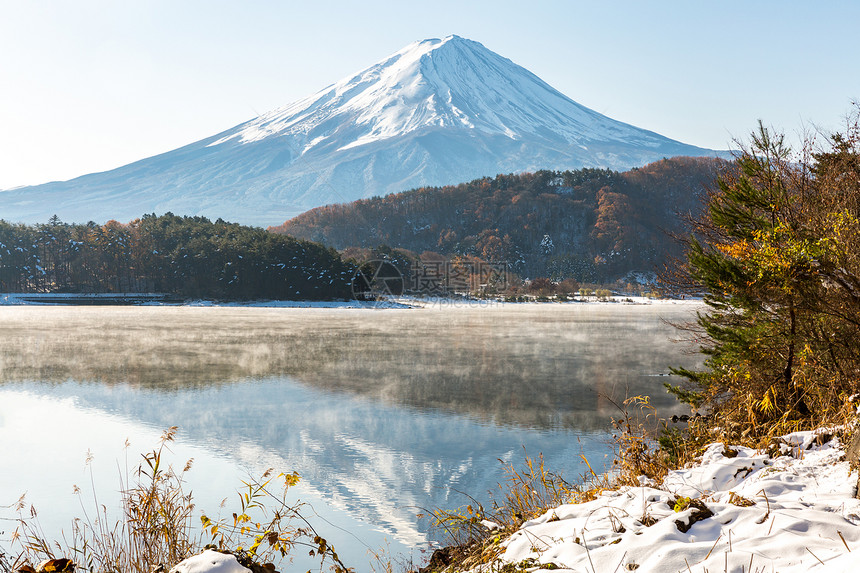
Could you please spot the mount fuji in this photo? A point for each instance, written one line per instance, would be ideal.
(439, 111)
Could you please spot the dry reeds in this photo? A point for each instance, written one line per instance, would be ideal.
(157, 531)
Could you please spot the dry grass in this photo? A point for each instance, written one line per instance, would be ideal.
(268, 528)
(5, 566)
(645, 446)
(157, 527)
(474, 534)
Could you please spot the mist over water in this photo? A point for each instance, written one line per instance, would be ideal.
(382, 412)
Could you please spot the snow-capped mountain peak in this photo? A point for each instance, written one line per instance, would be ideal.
(448, 83)
(390, 98)
(439, 111)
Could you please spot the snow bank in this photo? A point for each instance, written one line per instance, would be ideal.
(210, 562)
(144, 299)
(13, 299)
(381, 304)
(792, 513)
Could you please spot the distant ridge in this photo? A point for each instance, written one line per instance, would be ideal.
(439, 111)
(593, 225)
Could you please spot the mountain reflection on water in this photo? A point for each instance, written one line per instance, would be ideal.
(383, 413)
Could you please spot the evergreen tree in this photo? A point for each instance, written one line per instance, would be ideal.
(776, 257)
(186, 256)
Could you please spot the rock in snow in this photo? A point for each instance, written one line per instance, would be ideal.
(792, 513)
(210, 562)
(437, 112)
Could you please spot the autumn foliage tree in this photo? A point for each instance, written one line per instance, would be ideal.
(778, 256)
(600, 224)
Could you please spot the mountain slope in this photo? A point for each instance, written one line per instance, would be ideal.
(589, 224)
(437, 112)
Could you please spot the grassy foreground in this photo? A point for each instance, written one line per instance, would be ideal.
(157, 528)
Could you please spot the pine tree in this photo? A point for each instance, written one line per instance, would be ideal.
(776, 257)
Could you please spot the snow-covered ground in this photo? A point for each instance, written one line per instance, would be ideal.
(11, 299)
(792, 513)
(441, 302)
(8, 299)
(376, 304)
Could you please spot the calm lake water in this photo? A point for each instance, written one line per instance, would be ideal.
(384, 413)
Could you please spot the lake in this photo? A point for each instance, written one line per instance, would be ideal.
(384, 413)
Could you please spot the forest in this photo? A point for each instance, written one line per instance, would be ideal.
(591, 225)
(189, 257)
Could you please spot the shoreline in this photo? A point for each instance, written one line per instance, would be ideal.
(792, 508)
(403, 302)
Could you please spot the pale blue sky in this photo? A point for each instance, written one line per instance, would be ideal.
(88, 85)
